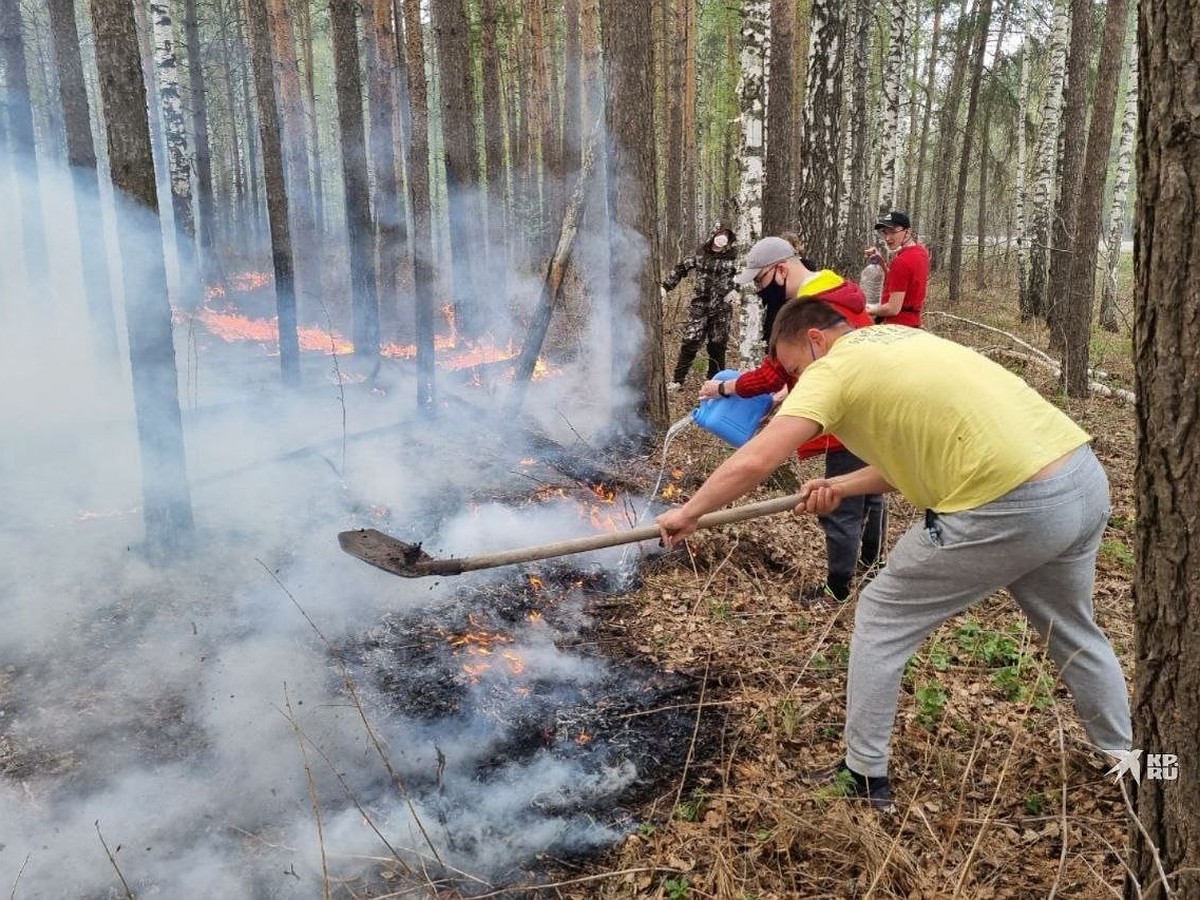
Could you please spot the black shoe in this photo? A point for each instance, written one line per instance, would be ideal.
(842, 781)
(828, 595)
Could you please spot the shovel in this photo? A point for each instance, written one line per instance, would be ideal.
(409, 561)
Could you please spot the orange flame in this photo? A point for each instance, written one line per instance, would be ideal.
(583, 738)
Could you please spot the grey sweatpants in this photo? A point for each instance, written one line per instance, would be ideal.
(1040, 541)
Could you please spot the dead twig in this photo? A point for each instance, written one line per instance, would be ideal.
(112, 859)
(16, 881)
(687, 762)
(312, 789)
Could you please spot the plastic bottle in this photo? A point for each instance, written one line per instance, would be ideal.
(871, 282)
(733, 419)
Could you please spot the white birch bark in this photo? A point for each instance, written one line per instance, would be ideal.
(1022, 182)
(889, 127)
(1116, 216)
(175, 133)
(1046, 159)
(752, 93)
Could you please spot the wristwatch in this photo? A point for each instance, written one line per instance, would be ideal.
(721, 389)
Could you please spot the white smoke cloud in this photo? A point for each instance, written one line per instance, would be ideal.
(152, 700)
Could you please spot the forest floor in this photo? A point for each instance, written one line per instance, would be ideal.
(997, 793)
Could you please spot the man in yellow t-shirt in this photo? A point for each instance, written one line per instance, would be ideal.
(1013, 497)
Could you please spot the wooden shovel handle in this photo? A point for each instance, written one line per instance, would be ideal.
(456, 566)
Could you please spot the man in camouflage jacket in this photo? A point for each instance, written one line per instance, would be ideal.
(713, 292)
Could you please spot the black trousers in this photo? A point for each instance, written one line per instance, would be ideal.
(856, 530)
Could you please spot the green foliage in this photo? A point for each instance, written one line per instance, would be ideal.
(676, 888)
(931, 703)
(691, 810)
(1118, 553)
(991, 648)
(1035, 802)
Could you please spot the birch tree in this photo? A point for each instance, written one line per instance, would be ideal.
(1116, 215)
(166, 500)
(81, 156)
(853, 212)
(777, 167)
(893, 72)
(166, 66)
(1022, 189)
(752, 99)
(1045, 159)
(1166, 349)
(198, 99)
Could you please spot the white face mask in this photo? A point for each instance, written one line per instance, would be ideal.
(721, 241)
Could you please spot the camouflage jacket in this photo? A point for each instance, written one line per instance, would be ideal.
(714, 274)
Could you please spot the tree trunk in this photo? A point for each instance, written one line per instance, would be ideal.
(674, 46)
(985, 153)
(175, 132)
(314, 137)
(418, 195)
(1022, 199)
(297, 169)
(493, 141)
(982, 20)
(1116, 216)
(20, 140)
(688, 225)
(253, 219)
(627, 31)
(238, 177)
(1081, 279)
(904, 191)
(819, 152)
(381, 99)
(452, 36)
(81, 156)
(752, 88)
(199, 100)
(948, 129)
(931, 71)
(1166, 340)
(892, 73)
(1046, 159)
(166, 502)
(354, 177)
(777, 169)
(1073, 139)
(855, 198)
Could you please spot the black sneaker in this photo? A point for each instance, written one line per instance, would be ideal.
(824, 596)
(842, 781)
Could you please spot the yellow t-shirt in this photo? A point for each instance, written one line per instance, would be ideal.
(947, 427)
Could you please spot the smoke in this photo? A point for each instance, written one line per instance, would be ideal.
(191, 716)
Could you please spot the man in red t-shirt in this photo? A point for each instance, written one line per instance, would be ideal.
(907, 273)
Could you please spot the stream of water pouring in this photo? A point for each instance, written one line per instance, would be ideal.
(662, 468)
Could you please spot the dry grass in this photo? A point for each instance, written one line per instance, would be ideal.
(997, 794)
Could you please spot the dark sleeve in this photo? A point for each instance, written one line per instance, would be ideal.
(679, 272)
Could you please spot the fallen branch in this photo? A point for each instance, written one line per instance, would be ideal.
(1040, 358)
(312, 789)
(112, 859)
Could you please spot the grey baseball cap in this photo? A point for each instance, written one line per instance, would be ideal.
(766, 252)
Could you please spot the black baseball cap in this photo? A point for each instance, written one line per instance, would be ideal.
(892, 220)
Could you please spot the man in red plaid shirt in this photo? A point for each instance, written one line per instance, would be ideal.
(855, 531)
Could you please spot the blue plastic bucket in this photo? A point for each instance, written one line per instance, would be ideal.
(733, 419)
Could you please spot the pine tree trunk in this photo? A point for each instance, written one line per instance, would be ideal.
(310, 114)
(237, 178)
(777, 168)
(1073, 140)
(982, 20)
(820, 149)
(1116, 216)
(493, 146)
(674, 47)
(81, 156)
(573, 121)
(688, 225)
(175, 132)
(380, 44)
(418, 195)
(1166, 341)
(855, 197)
(1081, 279)
(628, 55)
(254, 216)
(365, 304)
(20, 140)
(1046, 162)
(931, 71)
(269, 120)
(904, 193)
(199, 102)
(985, 154)
(452, 37)
(166, 501)
(948, 130)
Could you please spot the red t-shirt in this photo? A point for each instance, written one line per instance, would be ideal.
(908, 274)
